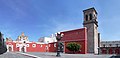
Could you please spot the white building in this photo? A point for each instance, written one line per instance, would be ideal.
(47, 40)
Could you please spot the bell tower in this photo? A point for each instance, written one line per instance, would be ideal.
(91, 23)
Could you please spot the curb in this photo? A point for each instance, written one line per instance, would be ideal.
(29, 55)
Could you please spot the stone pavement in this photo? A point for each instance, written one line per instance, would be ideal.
(29, 55)
(53, 55)
(13, 55)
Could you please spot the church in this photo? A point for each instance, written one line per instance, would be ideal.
(88, 37)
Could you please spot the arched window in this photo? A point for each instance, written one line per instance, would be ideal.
(90, 16)
(27, 45)
(86, 16)
(40, 45)
(33, 45)
(54, 44)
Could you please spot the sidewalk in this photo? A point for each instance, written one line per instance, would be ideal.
(53, 55)
(29, 55)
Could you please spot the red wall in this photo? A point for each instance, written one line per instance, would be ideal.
(38, 48)
(75, 35)
(82, 43)
(111, 50)
(52, 48)
(117, 51)
(79, 36)
(12, 43)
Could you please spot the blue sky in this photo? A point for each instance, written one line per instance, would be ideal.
(39, 18)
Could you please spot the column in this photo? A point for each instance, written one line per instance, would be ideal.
(107, 49)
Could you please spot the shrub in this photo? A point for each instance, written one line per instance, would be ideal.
(72, 46)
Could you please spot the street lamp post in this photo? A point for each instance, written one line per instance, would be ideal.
(58, 38)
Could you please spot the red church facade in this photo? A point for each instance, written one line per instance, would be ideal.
(30, 47)
(78, 35)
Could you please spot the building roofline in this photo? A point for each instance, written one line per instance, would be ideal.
(89, 9)
(73, 29)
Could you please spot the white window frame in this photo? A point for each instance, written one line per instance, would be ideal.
(17, 45)
(40, 45)
(54, 44)
(34, 45)
(27, 45)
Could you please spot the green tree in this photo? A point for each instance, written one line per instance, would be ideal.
(72, 46)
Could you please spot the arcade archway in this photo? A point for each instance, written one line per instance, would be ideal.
(10, 48)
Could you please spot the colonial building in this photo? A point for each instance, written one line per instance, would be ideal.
(22, 44)
(22, 38)
(110, 47)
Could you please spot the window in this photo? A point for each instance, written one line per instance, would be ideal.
(34, 45)
(17, 45)
(54, 44)
(40, 45)
(47, 47)
(90, 16)
(86, 16)
(27, 45)
(95, 16)
(47, 41)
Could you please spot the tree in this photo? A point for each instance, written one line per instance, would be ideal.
(72, 46)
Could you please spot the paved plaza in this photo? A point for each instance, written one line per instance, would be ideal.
(51, 55)
(13, 55)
